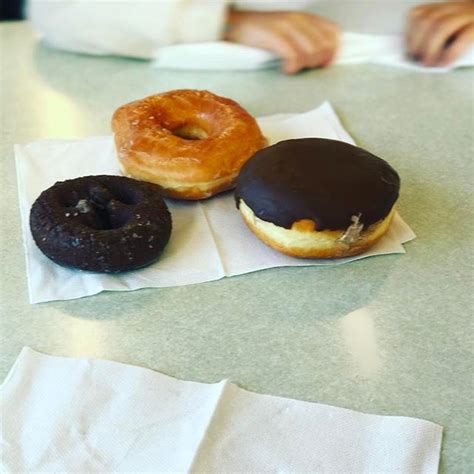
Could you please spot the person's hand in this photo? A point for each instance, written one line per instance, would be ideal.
(302, 40)
(437, 34)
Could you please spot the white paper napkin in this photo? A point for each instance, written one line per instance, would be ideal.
(356, 48)
(209, 238)
(87, 415)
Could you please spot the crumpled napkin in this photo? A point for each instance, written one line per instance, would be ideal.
(88, 415)
(356, 48)
(209, 238)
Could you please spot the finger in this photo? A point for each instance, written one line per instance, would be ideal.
(290, 55)
(291, 52)
(329, 34)
(323, 36)
(329, 45)
(314, 44)
(419, 10)
(422, 11)
(274, 40)
(308, 46)
(324, 24)
(414, 17)
(437, 37)
(420, 28)
(462, 42)
(309, 43)
(410, 29)
(334, 39)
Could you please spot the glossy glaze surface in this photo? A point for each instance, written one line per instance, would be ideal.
(386, 335)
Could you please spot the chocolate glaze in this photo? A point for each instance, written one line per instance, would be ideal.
(101, 223)
(327, 181)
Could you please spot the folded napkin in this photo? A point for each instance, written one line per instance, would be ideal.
(86, 415)
(356, 48)
(209, 239)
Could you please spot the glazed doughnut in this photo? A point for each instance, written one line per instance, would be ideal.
(317, 198)
(102, 223)
(191, 143)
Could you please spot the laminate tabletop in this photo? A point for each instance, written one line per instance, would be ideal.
(390, 335)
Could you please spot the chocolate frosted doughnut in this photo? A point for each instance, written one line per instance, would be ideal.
(314, 197)
(104, 224)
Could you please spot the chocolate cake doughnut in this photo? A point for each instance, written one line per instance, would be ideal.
(317, 198)
(104, 224)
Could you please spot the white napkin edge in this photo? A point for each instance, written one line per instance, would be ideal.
(28, 353)
(208, 56)
(24, 218)
(213, 56)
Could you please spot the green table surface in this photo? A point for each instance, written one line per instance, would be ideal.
(390, 335)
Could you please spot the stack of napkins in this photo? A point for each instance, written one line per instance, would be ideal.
(86, 415)
(356, 48)
(209, 239)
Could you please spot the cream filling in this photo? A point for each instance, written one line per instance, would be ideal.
(326, 239)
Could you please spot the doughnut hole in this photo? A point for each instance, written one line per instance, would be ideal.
(110, 207)
(101, 207)
(108, 218)
(190, 131)
(129, 197)
(71, 198)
